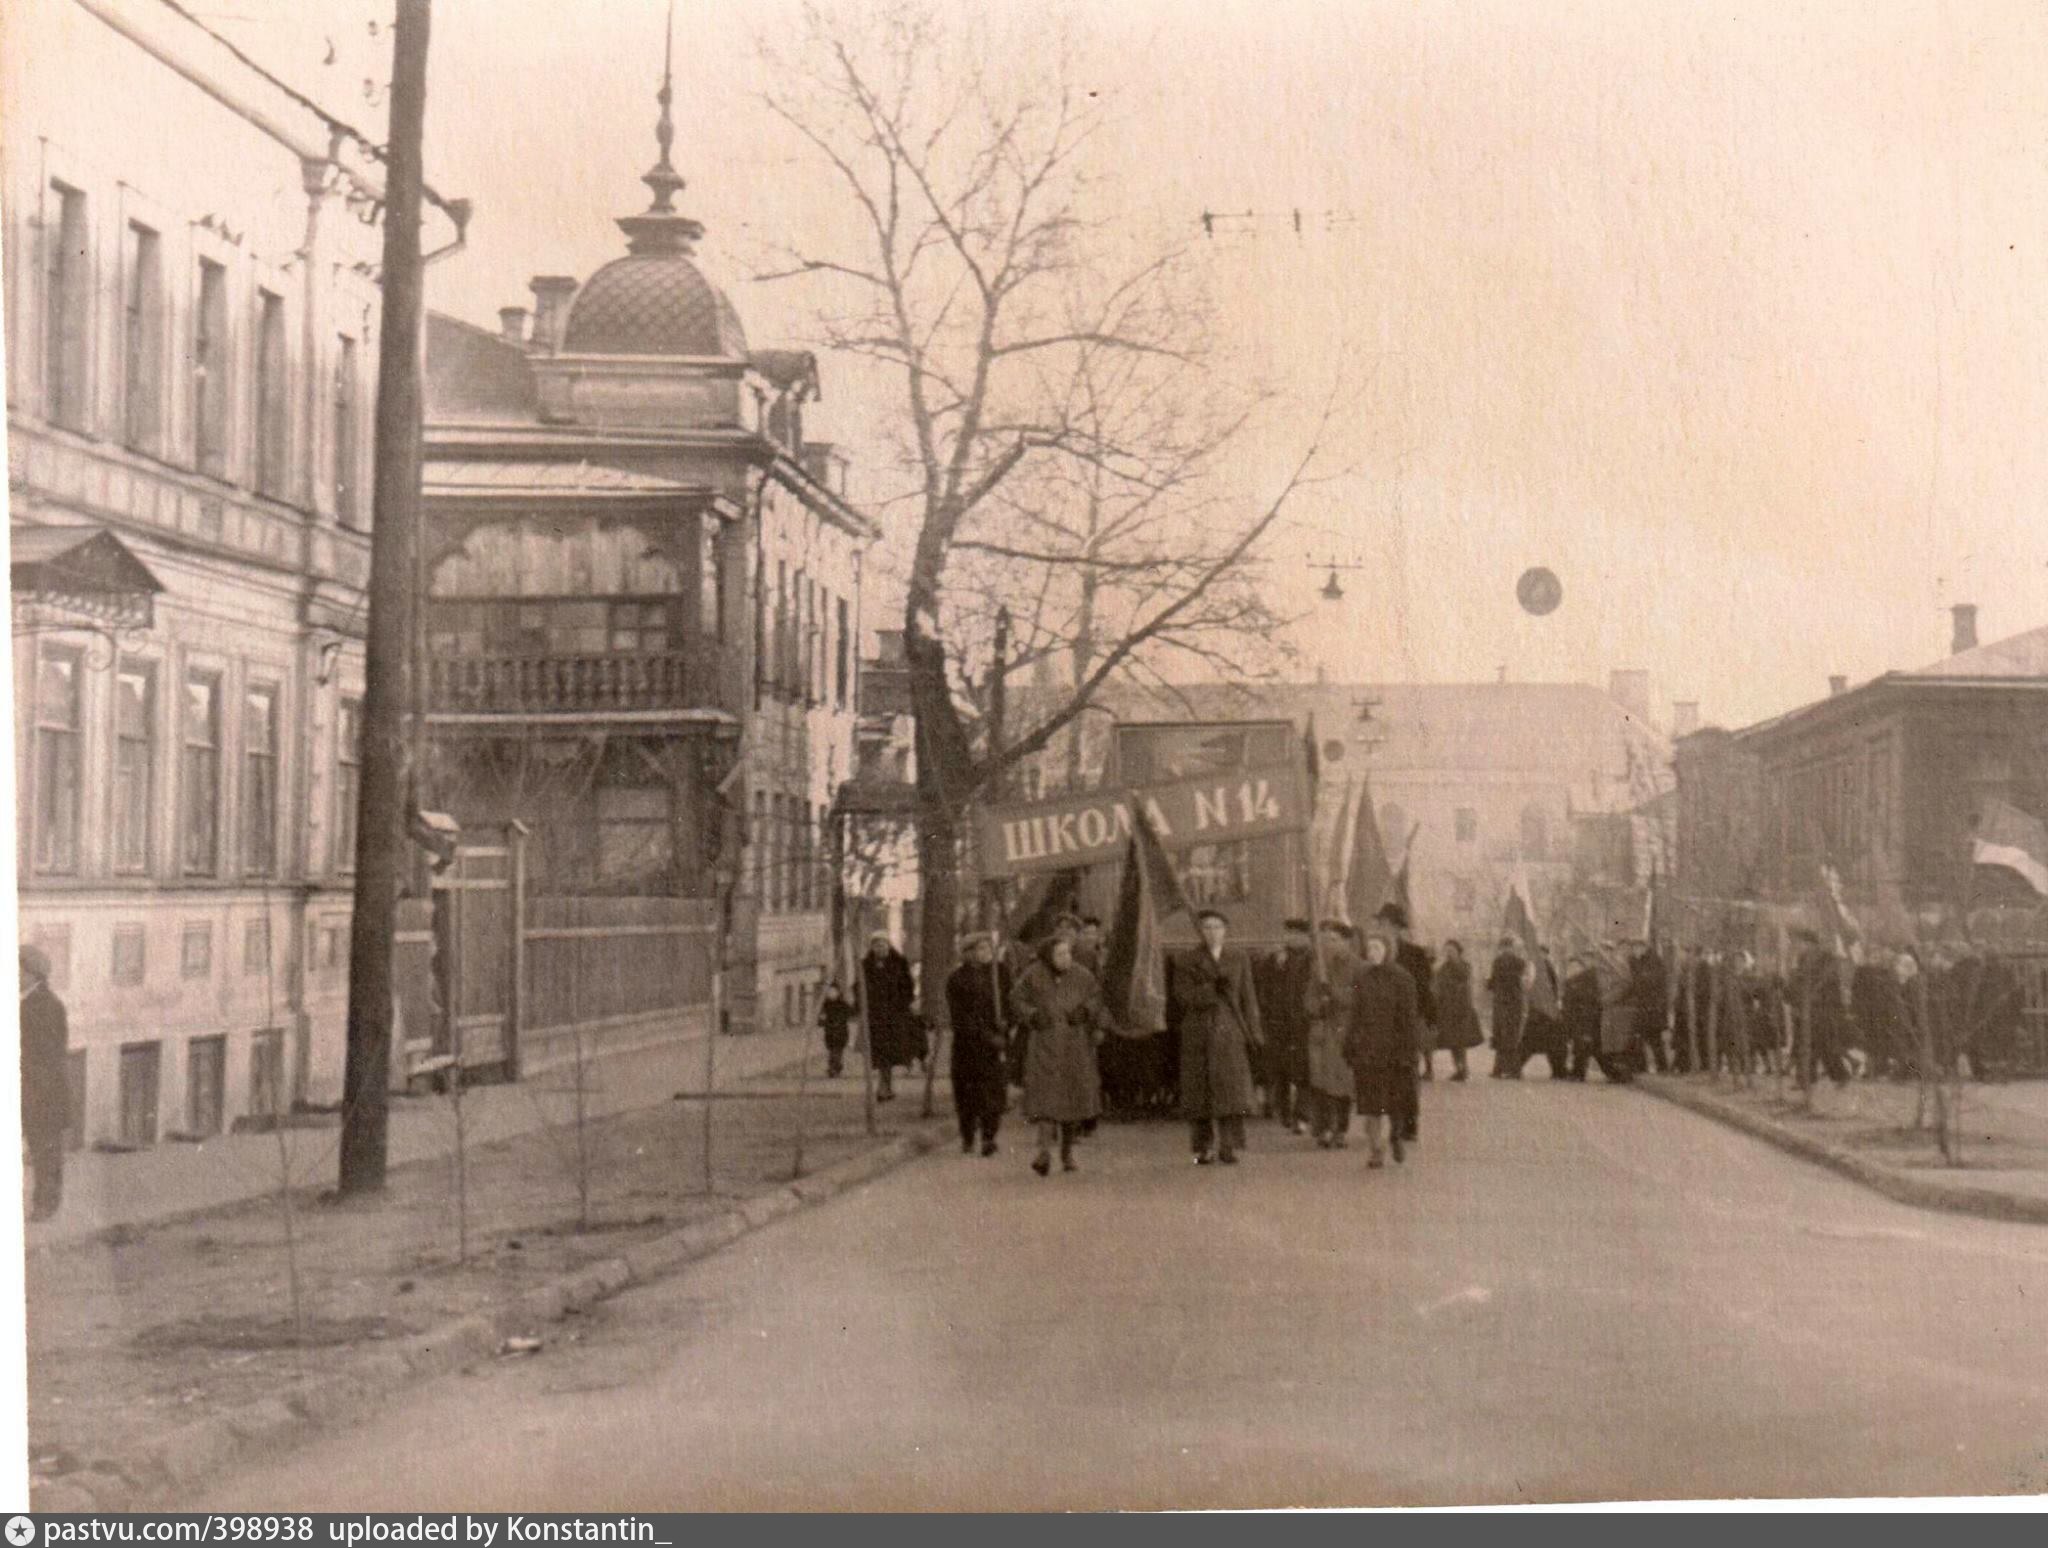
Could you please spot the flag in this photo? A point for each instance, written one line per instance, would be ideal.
(1133, 967)
(1312, 759)
(1340, 849)
(1520, 923)
(1052, 895)
(2008, 838)
(1835, 909)
(1368, 882)
(1401, 893)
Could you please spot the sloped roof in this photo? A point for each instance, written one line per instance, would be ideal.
(474, 374)
(75, 558)
(653, 303)
(2018, 655)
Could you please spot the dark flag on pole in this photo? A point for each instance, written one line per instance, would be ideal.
(1402, 895)
(1133, 970)
(1369, 880)
(1312, 759)
(1055, 894)
(1520, 923)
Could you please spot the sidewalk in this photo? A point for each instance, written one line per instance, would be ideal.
(171, 1179)
(1865, 1130)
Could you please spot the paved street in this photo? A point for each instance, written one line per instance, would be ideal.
(1571, 1292)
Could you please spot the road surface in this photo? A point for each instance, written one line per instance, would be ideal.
(1570, 1292)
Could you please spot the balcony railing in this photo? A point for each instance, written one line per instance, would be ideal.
(571, 685)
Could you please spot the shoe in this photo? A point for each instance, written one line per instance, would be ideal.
(1203, 1158)
(1461, 1075)
(988, 1147)
(1322, 1142)
(1298, 1127)
(1228, 1157)
(967, 1147)
(1338, 1142)
(1068, 1164)
(1395, 1147)
(1042, 1165)
(1375, 1161)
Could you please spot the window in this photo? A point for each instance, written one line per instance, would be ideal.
(141, 1083)
(134, 764)
(640, 628)
(59, 723)
(634, 839)
(1468, 825)
(334, 940)
(843, 670)
(256, 947)
(129, 947)
(259, 781)
(346, 436)
(55, 943)
(711, 580)
(206, 1078)
(782, 626)
(201, 793)
(266, 1073)
(759, 838)
(210, 378)
(348, 774)
(272, 403)
(68, 312)
(1535, 833)
(142, 331)
(195, 955)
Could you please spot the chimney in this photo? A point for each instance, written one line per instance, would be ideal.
(1631, 690)
(1685, 717)
(1965, 615)
(512, 324)
(1837, 684)
(551, 293)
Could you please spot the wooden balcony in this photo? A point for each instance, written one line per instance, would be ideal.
(576, 685)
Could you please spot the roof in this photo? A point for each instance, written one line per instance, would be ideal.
(475, 374)
(82, 570)
(488, 478)
(655, 303)
(2019, 655)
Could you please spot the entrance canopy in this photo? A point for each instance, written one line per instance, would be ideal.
(78, 577)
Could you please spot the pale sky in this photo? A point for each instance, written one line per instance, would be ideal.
(1732, 315)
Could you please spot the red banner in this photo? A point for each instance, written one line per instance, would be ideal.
(1092, 829)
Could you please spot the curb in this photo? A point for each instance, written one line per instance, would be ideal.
(186, 1457)
(1925, 1193)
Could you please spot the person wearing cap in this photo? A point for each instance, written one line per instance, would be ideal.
(1331, 1083)
(1385, 1034)
(978, 997)
(45, 1082)
(1504, 986)
(1213, 1013)
(889, 999)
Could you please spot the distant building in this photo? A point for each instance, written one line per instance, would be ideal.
(192, 313)
(1883, 781)
(643, 599)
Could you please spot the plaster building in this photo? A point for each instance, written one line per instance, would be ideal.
(190, 373)
(642, 588)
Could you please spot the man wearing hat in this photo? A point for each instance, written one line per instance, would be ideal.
(977, 1001)
(45, 1081)
(1414, 959)
(1284, 1013)
(1212, 1012)
(1505, 987)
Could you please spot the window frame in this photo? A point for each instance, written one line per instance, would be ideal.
(260, 768)
(137, 858)
(142, 337)
(270, 416)
(209, 755)
(348, 780)
(345, 428)
(67, 307)
(49, 736)
(211, 376)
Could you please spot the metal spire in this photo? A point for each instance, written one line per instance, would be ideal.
(662, 176)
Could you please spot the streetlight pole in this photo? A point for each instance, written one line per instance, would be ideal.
(381, 799)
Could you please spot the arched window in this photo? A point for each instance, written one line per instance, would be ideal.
(1535, 833)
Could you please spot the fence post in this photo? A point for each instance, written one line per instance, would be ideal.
(515, 999)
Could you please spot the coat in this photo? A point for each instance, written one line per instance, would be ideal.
(1065, 1019)
(1284, 1012)
(45, 1072)
(981, 1039)
(1504, 984)
(1415, 960)
(889, 998)
(1582, 1008)
(1328, 1071)
(1213, 1013)
(1386, 1020)
(1457, 1020)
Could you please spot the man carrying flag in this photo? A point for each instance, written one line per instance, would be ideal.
(1137, 1063)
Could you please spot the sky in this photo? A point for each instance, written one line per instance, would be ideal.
(1732, 316)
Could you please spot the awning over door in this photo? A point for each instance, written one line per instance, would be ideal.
(81, 576)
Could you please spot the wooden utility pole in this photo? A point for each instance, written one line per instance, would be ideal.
(381, 799)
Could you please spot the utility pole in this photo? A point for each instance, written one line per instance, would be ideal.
(381, 816)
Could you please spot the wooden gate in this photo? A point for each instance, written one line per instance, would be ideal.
(479, 903)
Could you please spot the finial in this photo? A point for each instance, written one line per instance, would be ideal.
(662, 176)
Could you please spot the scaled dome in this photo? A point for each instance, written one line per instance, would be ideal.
(653, 303)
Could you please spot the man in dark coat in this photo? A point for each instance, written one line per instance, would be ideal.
(1385, 1035)
(1581, 1016)
(1817, 998)
(1416, 960)
(889, 1006)
(977, 1002)
(45, 1081)
(1504, 987)
(1648, 987)
(1284, 1017)
(1213, 1014)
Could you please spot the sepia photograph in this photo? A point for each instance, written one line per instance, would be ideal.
(1024, 756)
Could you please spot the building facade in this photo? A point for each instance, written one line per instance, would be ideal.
(190, 376)
(642, 587)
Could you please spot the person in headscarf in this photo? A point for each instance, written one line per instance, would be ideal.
(1212, 1011)
(889, 1001)
(1331, 1083)
(45, 1082)
(1060, 1004)
(1386, 1032)
(1457, 1018)
(978, 995)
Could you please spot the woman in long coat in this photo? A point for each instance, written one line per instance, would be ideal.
(1329, 1076)
(1384, 1036)
(1059, 1004)
(1457, 1018)
(889, 1004)
(1211, 1008)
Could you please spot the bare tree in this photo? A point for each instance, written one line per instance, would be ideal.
(1058, 423)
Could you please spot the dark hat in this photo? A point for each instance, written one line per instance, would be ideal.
(1394, 914)
(1216, 914)
(1507, 943)
(1298, 924)
(1339, 928)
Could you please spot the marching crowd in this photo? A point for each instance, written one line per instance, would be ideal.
(1342, 1022)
